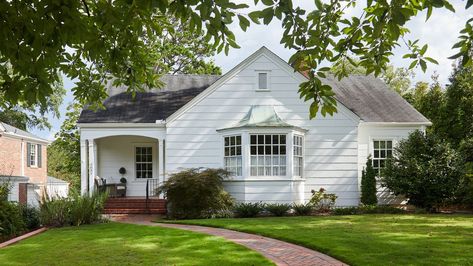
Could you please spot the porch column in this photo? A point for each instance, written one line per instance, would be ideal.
(83, 166)
(161, 160)
(92, 164)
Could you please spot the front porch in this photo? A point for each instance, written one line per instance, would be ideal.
(121, 158)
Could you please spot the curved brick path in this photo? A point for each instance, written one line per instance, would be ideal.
(280, 252)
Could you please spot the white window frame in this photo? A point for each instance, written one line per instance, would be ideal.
(268, 80)
(379, 158)
(33, 156)
(135, 162)
(280, 166)
(298, 153)
(238, 163)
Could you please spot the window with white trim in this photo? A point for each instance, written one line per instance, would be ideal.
(263, 81)
(268, 155)
(144, 162)
(232, 155)
(298, 159)
(32, 156)
(382, 150)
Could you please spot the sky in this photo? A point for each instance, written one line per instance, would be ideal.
(440, 32)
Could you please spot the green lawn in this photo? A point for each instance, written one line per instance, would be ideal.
(124, 244)
(370, 239)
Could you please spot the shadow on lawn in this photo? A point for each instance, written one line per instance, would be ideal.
(122, 244)
(370, 239)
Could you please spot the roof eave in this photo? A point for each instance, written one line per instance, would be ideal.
(261, 127)
(17, 136)
(420, 123)
(158, 124)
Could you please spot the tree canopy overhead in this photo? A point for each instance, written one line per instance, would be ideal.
(95, 41)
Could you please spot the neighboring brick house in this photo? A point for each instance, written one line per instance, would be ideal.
(23, 163)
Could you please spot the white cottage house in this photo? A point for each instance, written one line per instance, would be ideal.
(252, 122)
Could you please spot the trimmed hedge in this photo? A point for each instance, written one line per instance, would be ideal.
(368, 209)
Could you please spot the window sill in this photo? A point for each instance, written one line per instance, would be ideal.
(259, 90)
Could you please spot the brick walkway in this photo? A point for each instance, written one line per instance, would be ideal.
(281, 253)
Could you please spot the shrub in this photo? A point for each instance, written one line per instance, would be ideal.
(4, 190)
(464, 194)
(368, 209)
(302, 209)
(368, 184)
(277, 209)
(323, 202)
(30, 216)
(248, 209)
(424, 169)
(85, 209)
(11, 222)
(54, 212)
(76, 210)
(196, 193)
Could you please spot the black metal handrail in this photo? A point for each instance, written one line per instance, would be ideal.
(151, 189)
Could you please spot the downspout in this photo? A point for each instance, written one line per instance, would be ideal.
(22, 147)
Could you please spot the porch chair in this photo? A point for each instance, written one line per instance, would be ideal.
(100, 184)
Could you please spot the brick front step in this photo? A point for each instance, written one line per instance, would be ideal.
(132, 205)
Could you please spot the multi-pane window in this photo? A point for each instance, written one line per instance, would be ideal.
(268, 155)
(144, 162)
(32, 155)
(382, 150)
(298, 159)
(232, 156)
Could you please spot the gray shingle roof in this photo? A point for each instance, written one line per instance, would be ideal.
(11, 129)
(372, 100)
(366, 96)
(147, 107)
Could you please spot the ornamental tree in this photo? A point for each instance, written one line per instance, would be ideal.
(368, 184)
(98, 41)
(424, 169)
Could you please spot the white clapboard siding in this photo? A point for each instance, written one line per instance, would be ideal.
(331, 144)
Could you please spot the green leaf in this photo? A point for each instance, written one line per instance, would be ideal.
(268, 15)
(429, 13)
(469, 3)
(255, 16)
(423, 65)
(424, 49)
(431, 60)
(244, 23)
(268, 2)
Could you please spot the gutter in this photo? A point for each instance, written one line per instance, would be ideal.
(21, 137)
(396, 123)
(120, 125)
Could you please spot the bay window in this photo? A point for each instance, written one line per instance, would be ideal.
(297, 153)
(232, 155)
(268, 155)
